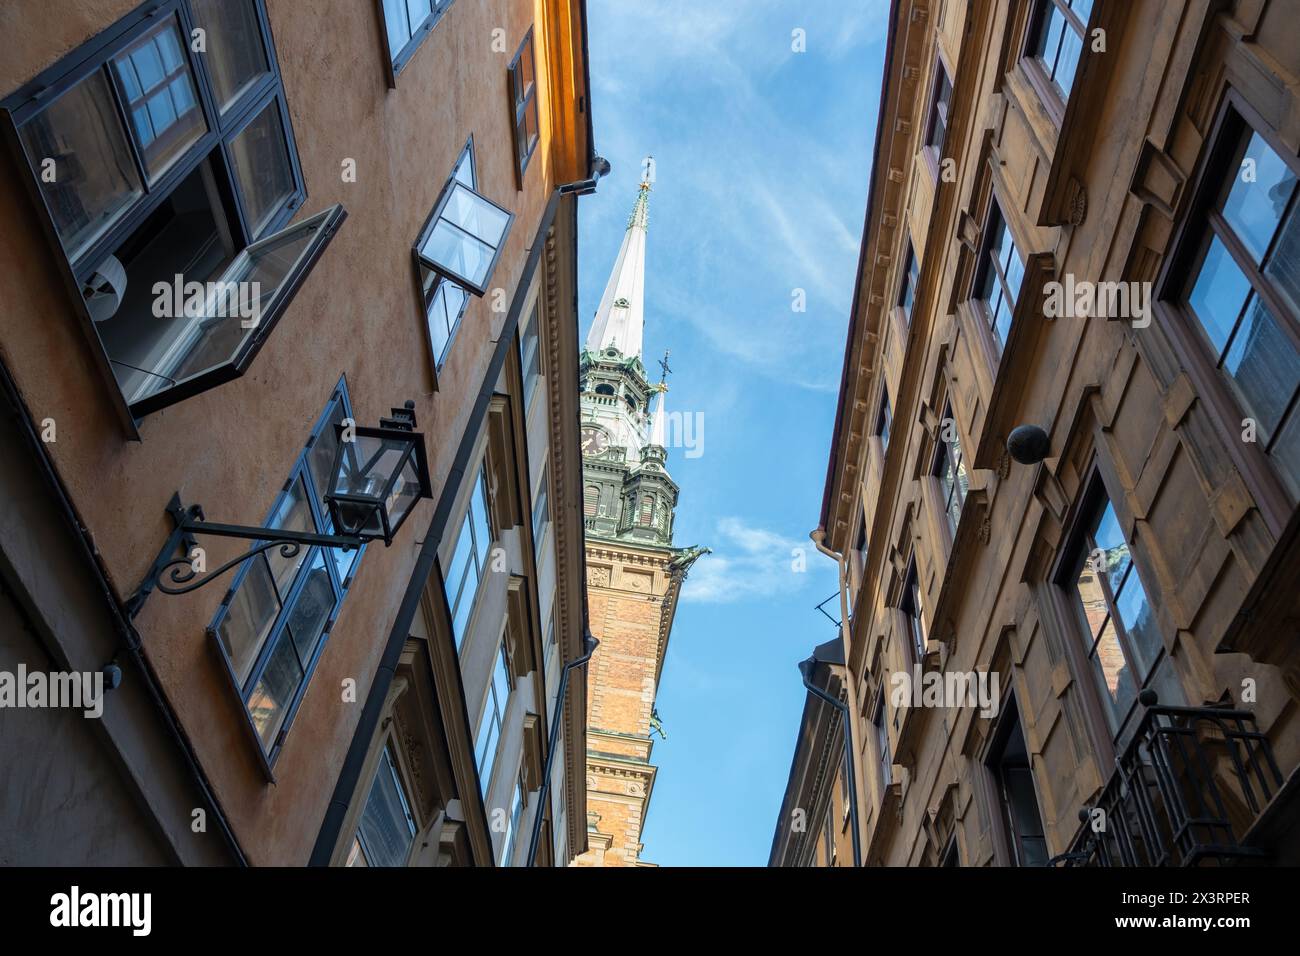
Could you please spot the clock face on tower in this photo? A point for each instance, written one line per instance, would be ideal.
(594, 441)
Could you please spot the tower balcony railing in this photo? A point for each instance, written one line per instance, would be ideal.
(1185, 790)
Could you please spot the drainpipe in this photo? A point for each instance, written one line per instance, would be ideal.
(124, 627)
(841, 563)
(590, 644)
(808, 669)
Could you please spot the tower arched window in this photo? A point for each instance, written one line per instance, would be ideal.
(647, 515)
(590, 500)
(605, 390)
(631, 402)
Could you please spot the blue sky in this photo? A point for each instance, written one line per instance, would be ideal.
(762, 159)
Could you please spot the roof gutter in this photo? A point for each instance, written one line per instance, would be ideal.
(872, 197)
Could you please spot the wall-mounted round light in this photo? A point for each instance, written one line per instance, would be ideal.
(1028, 444)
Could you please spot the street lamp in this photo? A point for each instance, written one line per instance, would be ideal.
(377, 476)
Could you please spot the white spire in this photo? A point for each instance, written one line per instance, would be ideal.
(620, 319)
(658, 424)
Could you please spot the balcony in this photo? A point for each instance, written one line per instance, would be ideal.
(1186, 789)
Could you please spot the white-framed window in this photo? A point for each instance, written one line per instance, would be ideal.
(530, 356)
(469, 561)
(491, 722)
(387, 829)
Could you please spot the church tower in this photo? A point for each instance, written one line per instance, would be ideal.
(634, 572)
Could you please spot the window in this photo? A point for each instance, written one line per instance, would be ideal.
(1117, 624)
(541, 509)
(273, 623)
(907, 288)
(463, 236)
(167, 176)
(884, 420)
(1001, 273)
(530, 356)
(444, 300)
(1056, 40)
(860, 549)
(406, 24)
(647, 515)
(523, 94)
(489, 727)
(911, 606)
(469, 560)
(844, 790)
(1009, 763)
(605, 390)
(951, 857)
(387, 829)
(950, 469)
(828, 838)
(937, 128)
(885, 763)
(1243, 291)
(517, 803)
(590, 501)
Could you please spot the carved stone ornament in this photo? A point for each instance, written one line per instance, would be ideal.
(1076, 202)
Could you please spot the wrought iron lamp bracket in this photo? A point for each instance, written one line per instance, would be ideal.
(171, 574)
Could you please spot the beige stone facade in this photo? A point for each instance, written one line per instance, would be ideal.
(1133, 583)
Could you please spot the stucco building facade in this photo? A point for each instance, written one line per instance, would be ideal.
(1088, 492)
(380, 182)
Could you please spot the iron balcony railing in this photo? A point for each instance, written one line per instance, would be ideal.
(1186, 789)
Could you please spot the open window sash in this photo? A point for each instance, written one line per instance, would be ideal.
(218, 333)
(464, 238)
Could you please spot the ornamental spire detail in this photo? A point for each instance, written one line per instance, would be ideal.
(620, 318)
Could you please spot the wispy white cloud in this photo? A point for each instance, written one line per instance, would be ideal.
(748, 562)
(745, 182)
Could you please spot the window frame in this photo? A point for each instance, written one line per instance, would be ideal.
(909, 282)
(388, 753)
(985, 261)
(884, 421)
(994, 763)
(1054, 99)
(300, 470)
(1094, 498)
(435, 216)
(488, 759)
(531, 331)
(1235, 119)
(540, 516)
(909, 602)
(519, 107)
(438, 360)
(395, 63)
(884, 758)
(937, 110)
(95, 56)
(944, 454)
(482, 488)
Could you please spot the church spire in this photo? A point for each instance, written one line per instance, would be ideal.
(620, 319)
(659, 422)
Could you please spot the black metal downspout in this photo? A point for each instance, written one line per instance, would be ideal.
(589, 644)
(807, 669)
(126, 630)
(350, 774)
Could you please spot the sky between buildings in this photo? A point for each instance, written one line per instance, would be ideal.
(762, 156)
